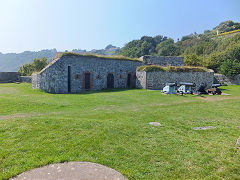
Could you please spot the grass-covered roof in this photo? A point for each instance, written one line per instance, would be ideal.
(59, 55)
(153, 68)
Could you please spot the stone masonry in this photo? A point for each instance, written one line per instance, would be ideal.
(220, 78)
(73, 73)
(9, 77)
(157, 80)
(56, 78)
(163, 60)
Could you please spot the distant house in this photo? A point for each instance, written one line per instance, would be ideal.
(75, 73)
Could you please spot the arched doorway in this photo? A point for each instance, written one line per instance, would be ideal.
(110, 81)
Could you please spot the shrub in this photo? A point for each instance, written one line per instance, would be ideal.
(230, 68)
(214, 61)
(36, 66)
(234, 53)
(193, 60)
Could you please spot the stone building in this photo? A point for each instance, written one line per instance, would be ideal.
(157, 79)
(75, 73)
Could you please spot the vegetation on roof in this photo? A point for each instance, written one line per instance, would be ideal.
(95, 56)
(153, 68)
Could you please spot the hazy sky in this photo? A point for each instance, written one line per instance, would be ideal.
(93, 24)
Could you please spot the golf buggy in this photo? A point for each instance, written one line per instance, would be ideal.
(170, 88)
(186, 88)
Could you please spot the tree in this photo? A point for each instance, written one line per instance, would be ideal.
(234, 53)
(144, 46)
(158, 39)
(167, 48)
(192, 60)
(214, 60)
(39, 64)
(36, 66)
(26, 70)
(230, 68)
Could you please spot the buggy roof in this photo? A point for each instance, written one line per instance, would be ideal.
(187, 84)
(216, 85)
(171, 84)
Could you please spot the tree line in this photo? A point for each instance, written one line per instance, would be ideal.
(222, 54)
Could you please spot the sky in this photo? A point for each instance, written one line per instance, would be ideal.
(93, 24)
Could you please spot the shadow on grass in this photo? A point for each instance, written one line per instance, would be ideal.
(102, 91)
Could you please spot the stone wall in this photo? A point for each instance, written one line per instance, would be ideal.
(36, 80)
(54, 78)
(26, 79)
(158, 79)
(9, 77)
(67, 73)
(163, 60)
(141, 79)
(220, 78)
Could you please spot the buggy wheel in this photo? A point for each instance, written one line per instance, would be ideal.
(213, 92)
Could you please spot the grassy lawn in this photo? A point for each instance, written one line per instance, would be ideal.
(111, 128)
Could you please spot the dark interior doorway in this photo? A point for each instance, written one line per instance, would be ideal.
(129, 77)
(87, 77)
(69, 79)
(110, 81)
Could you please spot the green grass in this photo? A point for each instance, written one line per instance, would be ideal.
(111, 128)
(152, 68)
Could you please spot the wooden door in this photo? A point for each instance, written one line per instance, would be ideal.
(87, 77)
(129, 77)
(110, 81)
(69, 79)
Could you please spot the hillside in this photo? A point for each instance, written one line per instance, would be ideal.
(12, 61)
(107, 51)
(220, 53)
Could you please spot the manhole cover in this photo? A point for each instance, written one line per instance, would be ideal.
(71, 171)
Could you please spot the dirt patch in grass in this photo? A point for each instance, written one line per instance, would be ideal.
(215, 98)
(25, 115)
(8, 90)
(172, 103)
